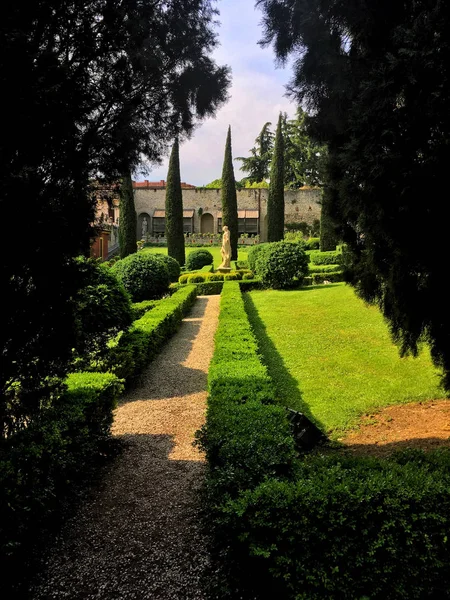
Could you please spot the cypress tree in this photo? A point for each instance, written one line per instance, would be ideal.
(275, 203)
(128, 218)
(174, 208)
(328, 236)
(229, 199)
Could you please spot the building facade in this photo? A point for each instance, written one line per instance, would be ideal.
(203, 209)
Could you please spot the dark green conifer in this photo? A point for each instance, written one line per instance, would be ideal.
(128, 218)
(229, 199)
(174, 208)
(275, 203)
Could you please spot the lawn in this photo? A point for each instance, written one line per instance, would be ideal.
(215, 251)
(332, 358)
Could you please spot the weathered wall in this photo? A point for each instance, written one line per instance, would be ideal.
(300, 205)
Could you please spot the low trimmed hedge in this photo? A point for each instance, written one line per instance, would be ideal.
(39, 465)
(140, 308)
(348, 528)
(331, 257)
(138, 346)
(324, 268)
(245, 437)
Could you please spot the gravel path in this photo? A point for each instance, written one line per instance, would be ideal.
(138, 537)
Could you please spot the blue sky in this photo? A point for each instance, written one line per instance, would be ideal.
(257, 95)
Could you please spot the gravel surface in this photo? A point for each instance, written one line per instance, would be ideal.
(138, 536)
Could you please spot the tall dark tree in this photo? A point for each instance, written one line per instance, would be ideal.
(128, 218)
(257, 165)
(229, 198)
(275, 202)
(174, 208)
(93, 87)
(376, 76)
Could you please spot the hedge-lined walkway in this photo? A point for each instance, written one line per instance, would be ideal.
(139, 536)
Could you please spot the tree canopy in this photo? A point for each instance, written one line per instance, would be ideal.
(91, 89)
(376, 78)
(257, 165)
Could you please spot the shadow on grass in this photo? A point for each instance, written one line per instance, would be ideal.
(287, 387)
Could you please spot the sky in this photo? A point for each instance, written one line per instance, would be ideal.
(257, 95)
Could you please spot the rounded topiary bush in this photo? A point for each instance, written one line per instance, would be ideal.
(248, 275)
(253, 254)
(232, 276)
(282, 264)
(144, 276)
(198, 259)
(173, 266)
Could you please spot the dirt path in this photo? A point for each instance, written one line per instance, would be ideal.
(139, 537)
(421, 425)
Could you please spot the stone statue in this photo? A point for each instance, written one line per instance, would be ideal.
(226, 249)
(144, 227)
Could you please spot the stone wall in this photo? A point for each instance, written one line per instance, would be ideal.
(300, 205)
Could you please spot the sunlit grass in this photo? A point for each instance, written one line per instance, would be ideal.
(215, 251)
(332, 358)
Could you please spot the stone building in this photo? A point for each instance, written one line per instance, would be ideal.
(203, 209)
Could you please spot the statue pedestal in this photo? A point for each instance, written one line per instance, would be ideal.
(223, 269)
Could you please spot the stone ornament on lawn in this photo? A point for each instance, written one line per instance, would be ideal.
(225, 250)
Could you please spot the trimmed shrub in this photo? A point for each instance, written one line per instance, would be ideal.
(207, 269)
(253, 254)
(198, 259)
(242, 264)
(39, 465)
(331, 277)
(236, 276)
(209, 288)
(197, 278)
(312, 244)
(215, 277)
(140, 308)
(333, 257)
(183, 279)
(173, 266)
(251, 284)
(324, 268)
(348, 528)
(142, 342)
(144, 276)
(280, 263)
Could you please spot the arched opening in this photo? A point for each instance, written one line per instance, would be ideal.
(207, 223)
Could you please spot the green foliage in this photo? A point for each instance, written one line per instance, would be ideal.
(329, 238)
(174, 209)
(196, 278)
(280, 263)
(363, 78)
(198, 259)
(144, 340)
(217, 184)
(257, 165)
(209, 288)
(39, 465)
(244, 437)
(215, 277)
(328, 268)
(256, 185)
(228, 197)
(304, 158)
(128, 218)
(183, 279)
(173, 266)
(312, 244)
(140, 308)
(144, 276)
(242, 264)
(332, 257)
(348, 528)
(232, 276)
(103, 308)
(253, 254)
(275, 202)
